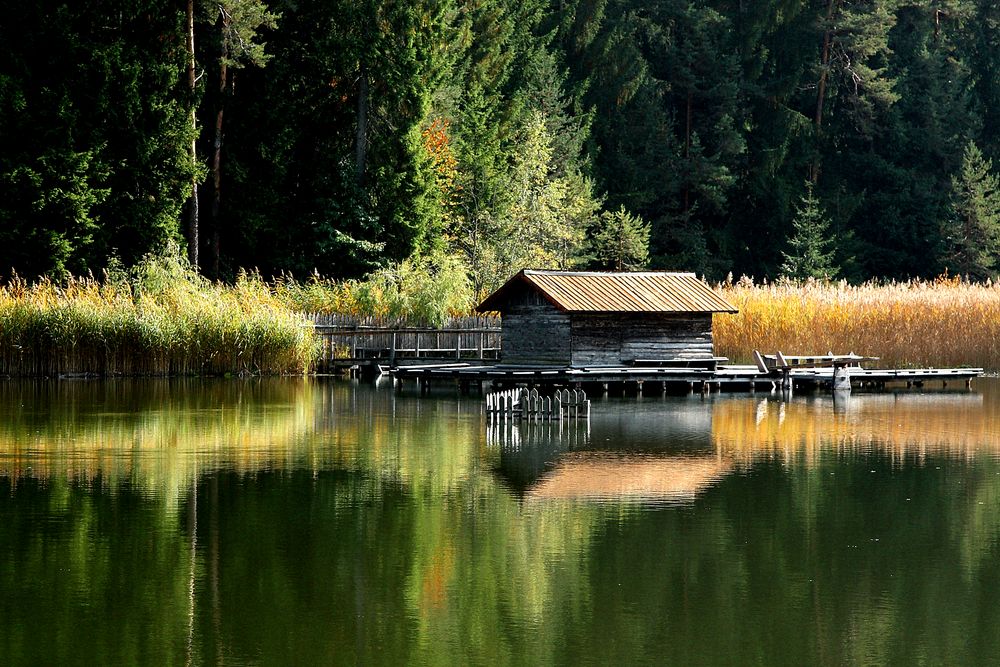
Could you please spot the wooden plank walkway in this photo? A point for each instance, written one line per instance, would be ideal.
(736, 376)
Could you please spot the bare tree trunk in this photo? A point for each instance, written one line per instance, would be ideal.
(192, 222)
(821, 88)
(361, 139)
(220, 106)
(687, 153)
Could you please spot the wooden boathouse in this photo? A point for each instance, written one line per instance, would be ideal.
(593, 320)
(576, 329)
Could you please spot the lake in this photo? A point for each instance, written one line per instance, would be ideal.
(323, 521)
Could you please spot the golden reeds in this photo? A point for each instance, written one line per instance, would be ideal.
(161, 319)
(945, 322)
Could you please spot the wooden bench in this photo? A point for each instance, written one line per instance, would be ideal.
(770, 363)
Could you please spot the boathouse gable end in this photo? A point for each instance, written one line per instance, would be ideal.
(534, 332)
(587, 319)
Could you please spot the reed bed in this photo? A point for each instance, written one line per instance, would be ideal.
(160, 318)
(947, 322)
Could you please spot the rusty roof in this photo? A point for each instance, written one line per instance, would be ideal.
(633, 292)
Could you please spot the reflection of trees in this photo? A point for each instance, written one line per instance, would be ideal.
(88, 577)
(334, 524)
(155, 436)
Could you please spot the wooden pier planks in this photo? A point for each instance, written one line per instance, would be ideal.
(730, 375)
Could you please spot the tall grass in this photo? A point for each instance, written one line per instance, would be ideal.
(945, 322)
(426, 290)
(159, 318)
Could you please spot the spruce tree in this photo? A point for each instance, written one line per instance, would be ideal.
(972, 235)
(808, 253)
(619, 242)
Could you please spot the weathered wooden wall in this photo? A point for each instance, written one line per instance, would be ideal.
(534, 332)
(606, 339)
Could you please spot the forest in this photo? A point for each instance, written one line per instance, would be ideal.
(849, 139)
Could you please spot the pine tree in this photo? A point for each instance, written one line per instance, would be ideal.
(972, 235)
(808, 255)
(237, 24)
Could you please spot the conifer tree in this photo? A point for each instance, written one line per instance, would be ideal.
(94, 133)
(808, 253)
(620, 241)
(972, 235)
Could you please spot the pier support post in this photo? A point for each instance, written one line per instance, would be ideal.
(841, 378)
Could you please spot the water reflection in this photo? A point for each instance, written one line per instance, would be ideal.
(955, 424)
(327, 522)
(673, 449)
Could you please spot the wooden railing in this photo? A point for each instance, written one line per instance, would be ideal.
(353, 345)
(523, 404)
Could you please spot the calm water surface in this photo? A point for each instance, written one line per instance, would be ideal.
(326, 522)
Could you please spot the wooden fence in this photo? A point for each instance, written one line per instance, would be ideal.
(352, 341)
(529, 405)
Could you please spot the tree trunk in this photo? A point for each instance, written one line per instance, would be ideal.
(821, 88)
(361, 140)
(220, 106)
(192, 222)
(687, 153)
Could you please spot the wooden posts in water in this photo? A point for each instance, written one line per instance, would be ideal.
(841, 377)
(529, 405)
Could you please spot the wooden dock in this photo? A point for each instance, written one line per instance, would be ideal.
(467, 351)
(644, 379)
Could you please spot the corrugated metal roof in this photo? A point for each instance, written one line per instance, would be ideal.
(638, 292)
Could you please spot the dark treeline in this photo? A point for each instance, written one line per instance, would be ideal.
(849, 138)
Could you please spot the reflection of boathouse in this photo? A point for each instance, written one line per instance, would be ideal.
(586, 319)
(637, 453)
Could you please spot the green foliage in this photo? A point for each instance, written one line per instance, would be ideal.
(620, 241)
(424, 289)
(809, 253)
(497, 129)
(972, 233)
(544, 218)
(93, 147)
(240, 23)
